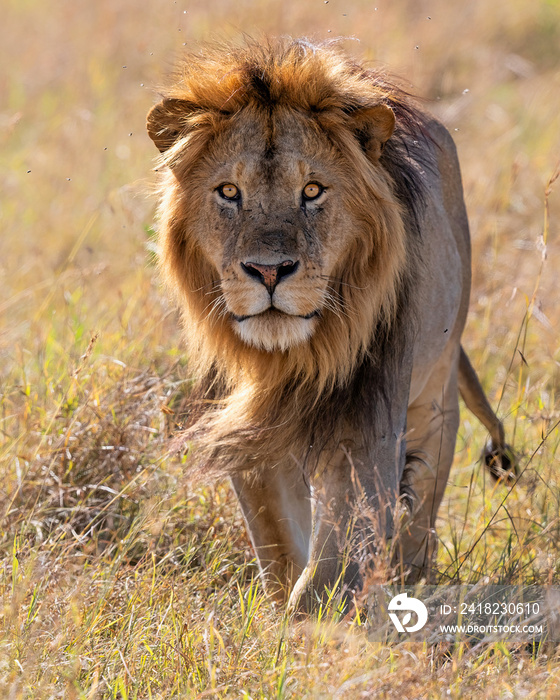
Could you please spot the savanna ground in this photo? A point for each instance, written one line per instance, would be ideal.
(119, 579)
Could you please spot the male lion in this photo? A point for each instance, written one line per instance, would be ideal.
(312, 227)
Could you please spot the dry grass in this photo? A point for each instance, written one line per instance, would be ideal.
(119, 580)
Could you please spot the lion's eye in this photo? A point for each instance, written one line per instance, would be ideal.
(229, 191)
(312, 190)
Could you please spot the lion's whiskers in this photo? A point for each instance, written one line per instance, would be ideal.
(337, 280)
(335, 303)
(213, 284)
(218, 308)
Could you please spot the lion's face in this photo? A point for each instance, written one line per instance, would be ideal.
(273, 221)
(279, 227)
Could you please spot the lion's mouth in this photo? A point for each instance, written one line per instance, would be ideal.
(272, 312)
(274, 330)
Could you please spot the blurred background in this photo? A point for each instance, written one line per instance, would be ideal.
(85, 328)
(77, 79)
(91, 361)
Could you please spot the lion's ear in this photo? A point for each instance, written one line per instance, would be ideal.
(374, 127)
(166, 122)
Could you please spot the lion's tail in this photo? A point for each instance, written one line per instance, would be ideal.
(498, 456)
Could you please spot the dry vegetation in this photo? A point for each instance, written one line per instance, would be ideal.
(118, 578)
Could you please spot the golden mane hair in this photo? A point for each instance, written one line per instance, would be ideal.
(250, 407)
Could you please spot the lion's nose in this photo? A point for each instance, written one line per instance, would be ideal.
(270, 275)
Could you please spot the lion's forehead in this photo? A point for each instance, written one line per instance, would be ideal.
(280, 148)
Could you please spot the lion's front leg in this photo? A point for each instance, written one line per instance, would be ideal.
(276, 505)
(354, 499)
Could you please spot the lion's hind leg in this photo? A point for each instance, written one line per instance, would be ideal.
(432, 424)
(498, 456)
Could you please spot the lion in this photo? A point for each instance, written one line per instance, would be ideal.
(313, 231)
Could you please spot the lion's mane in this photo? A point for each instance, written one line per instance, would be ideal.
(252, 408)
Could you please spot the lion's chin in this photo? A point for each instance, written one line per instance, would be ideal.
(275, 331)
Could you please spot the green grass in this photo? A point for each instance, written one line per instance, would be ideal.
(118, 578)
